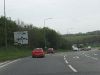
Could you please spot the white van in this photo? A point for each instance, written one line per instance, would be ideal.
(75, 48)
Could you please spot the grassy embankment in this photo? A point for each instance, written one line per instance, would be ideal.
(13, 53)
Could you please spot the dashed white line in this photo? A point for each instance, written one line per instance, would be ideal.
(64, 58)
(8, 63)
(95, 54)
(94, 58)
(87, 55)
(83, 53)
(66, 61)
(91, 57)
(72, 68)
(76, 57)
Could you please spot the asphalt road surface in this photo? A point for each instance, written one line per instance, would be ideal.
(63, 63)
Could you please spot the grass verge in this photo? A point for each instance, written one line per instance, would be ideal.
(13, 53)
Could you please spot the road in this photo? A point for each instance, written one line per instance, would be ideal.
(63, 63)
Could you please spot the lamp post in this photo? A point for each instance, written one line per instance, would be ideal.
(5, 25)
(45, 32)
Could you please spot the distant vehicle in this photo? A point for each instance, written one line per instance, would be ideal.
(88, 48)
(75, 48)
(82, 49)
(38, 52)
(50, 50)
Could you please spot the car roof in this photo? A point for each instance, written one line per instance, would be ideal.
(38, 49)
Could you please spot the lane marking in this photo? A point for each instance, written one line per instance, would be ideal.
(87, 55)
(64, 58)
(92, 57)
(83, 53)
(76, 57)
(72, 68)
(8, 63)
(66, 61)
(4, 63)
(73, 57)
(95, 54)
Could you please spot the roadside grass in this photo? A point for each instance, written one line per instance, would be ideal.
(97, 48)
(13, 53)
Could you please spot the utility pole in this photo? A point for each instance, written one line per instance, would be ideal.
(45, 33)
(5, 26)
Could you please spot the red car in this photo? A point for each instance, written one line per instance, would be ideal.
(38, 52)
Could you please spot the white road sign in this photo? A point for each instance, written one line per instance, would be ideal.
(21, 37)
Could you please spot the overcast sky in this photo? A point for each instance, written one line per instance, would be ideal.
(69, 16)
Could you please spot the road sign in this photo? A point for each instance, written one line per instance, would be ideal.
(21, 37)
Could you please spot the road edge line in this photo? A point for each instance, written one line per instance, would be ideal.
(72, 68)
(9, 63)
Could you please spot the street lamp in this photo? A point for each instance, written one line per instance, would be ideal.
(45, 32)
(5, 25)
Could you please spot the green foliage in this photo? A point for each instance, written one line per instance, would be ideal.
(65, 44)
(53, 38)
(36, 35)
(36, 38)
(10, 26)
(84, 39)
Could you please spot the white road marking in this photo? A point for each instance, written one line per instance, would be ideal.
(83, 53)
(76, 57)
(4, 63)
(8, 63)
(95, 54)
(72, 68)
(64, 58)
(87, 55)
(73, 57)
(92, 57)
(66, 61)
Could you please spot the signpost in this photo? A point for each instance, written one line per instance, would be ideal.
(21, 37)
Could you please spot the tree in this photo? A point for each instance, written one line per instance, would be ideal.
(36, 35)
